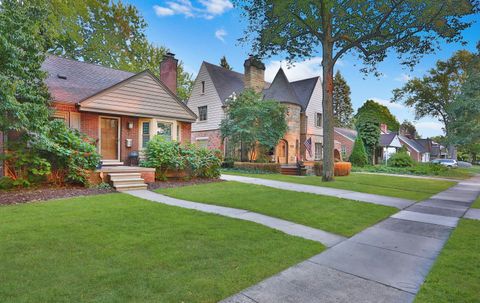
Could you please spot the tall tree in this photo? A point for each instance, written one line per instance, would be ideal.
(464, 128)
(369, 28)
(224, 63)
(408, 129)
(109, 33)
(23, 96)
(342, 103)
(378, 113)
(433, 94)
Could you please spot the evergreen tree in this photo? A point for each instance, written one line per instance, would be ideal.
(359, 155)
(224, 63)
(342, 103)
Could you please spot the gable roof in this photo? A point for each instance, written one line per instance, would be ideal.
(304, 90)
(350, 134)
(413, 144)
(386, 139)
(154, 99)
(227, 82)
(82, 79)
(281, 90)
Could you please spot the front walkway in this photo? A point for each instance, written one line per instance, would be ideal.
(387, 262)
(294, 229)
(325, 191)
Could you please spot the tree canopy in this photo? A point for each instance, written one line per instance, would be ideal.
(342, 103)
(253, 122)
(377, 113)
(299, 29)
(408, 129)
(108, 33)
(224, 63)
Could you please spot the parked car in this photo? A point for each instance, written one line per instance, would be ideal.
(450, 163)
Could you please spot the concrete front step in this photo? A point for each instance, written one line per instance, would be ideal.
(135, 186)
(127, 181)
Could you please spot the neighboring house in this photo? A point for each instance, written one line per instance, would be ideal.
(415, 149)
(120, 110)
(388, 145)
(346, 138)
(214, 85)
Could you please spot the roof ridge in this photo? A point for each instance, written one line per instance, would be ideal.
(90, 63)
(226, 69)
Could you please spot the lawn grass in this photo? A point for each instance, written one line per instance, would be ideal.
(476, 204)
(400, 187)
(339, 216)
(118, 248)
(455, 276)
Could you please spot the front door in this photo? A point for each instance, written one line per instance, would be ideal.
(282, 152)
(109, 138)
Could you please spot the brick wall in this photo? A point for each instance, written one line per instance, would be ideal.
(214, 138)
(348, 144)
(89, 125)
(185, 132)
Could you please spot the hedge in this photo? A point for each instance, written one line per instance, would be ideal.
(267, 167)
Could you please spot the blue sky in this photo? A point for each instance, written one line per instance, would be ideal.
(205, 30)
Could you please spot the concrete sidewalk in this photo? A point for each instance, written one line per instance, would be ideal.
(294, 229)
(325, 191)
(387, 262)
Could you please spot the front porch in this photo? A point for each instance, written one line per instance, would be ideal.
(126, 177)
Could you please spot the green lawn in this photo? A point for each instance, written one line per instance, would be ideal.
(401, 187)
(455, 276)
(339, 216)
(117, 248)
(476, 204)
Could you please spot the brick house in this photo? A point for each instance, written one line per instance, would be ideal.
(214, 85)
(120, 110)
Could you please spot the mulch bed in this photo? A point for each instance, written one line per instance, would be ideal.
(46, 193)
(24, 195)
(178, 183)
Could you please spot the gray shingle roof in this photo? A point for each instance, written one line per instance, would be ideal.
(304, 89)
(386, 139)
(414, 144)
(82, 79)
(227, 82)
(347, 132)
(281, 90)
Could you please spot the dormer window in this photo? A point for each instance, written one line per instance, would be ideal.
(203, 87)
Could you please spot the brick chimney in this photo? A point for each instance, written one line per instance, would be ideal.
(168, 71)
(384, 128)
(254, 76)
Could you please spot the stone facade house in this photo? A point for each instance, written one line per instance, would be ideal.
(214, 85)
(120, 110)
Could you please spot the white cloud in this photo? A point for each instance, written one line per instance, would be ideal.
(220, 34)
(429, 128)
(403, 78)
(387, 103)
(207, 9)
(301, 70)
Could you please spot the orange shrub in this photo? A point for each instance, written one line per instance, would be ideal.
(342, 168)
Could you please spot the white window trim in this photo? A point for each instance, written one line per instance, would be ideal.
(202, 121)
(315, 119)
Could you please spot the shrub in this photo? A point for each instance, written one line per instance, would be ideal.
(228, 163)
(400, 159)
(264, 167)
(359, 154)
(6, 183)
(166, 155)
(318, 168)
(342, 168)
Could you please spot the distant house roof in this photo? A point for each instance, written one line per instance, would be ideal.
(386, 139)
(72, 81)
(227, 82)
(413, 144)
(350, 134)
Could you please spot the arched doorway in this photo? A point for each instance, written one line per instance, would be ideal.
(336, 155)
(281, 152)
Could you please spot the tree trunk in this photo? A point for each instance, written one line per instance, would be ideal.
(328, 120)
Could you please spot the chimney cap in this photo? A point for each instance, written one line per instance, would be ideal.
(169, 55)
